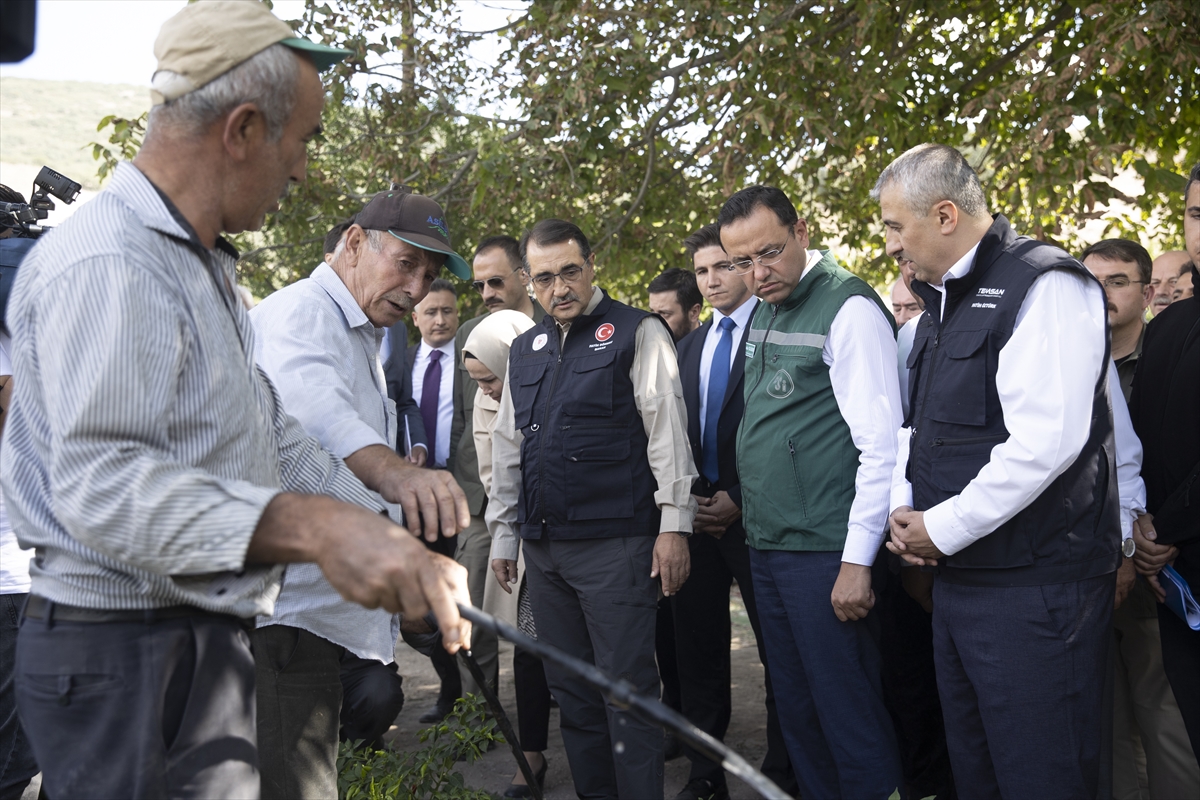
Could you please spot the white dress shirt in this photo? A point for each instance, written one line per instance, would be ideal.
(321, 351)
(905, 338)
(14, 560)
(445, 412)
(741, 319)
(860, 351)
(1045, 377)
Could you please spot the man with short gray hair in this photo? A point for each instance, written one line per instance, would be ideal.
(152, 464)
(1005, 480)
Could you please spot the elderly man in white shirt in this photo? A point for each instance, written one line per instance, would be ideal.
(1006, 480)
(319, 657)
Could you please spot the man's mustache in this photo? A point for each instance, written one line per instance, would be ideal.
(570, 297)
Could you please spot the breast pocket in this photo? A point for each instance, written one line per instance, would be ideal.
(959, 394)
(592, 386)
(524, 381)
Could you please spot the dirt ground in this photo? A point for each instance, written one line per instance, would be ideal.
(493, 772)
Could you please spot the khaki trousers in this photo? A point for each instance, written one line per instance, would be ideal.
(1152, 755)
(474, 553)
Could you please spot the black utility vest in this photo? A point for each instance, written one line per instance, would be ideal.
(584, 469)
(1071, 531)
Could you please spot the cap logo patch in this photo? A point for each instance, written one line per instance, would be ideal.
(539, 341)
(438, 225)
(605, 332)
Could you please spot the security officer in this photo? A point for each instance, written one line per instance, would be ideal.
(591, 467)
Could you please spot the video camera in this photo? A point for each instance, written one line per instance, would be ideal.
(19, 224)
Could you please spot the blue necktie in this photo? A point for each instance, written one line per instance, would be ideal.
(718, 380)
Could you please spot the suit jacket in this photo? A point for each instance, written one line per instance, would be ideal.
(398, 375)
(461, 461)
(690, 348)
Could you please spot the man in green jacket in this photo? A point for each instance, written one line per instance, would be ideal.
(816, 451)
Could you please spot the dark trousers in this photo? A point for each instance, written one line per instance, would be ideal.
(136, 709)
(664, 654)
(1022, 672)
(299, 706)
(594, 599)
(702, 636)
(827, 679)
(372, 697)
(17, 764)
(533, 701)
(910, 688)
(1181, 662)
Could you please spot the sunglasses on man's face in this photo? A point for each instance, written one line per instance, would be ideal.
(496, 283)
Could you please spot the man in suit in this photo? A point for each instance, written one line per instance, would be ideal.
(711, 372)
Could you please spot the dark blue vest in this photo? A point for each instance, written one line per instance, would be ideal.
(1071, 531)
(584, 469)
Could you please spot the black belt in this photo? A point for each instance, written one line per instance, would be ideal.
(37, 607)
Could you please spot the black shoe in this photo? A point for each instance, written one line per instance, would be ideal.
(436, 714)
(703, 789)
(522, 790)
(672, 748)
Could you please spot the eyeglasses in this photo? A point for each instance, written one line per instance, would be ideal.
(496, 283)
(767, 259)
(544, 280)
(1118, 282)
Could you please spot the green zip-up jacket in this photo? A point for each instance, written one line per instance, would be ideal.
(796, 459)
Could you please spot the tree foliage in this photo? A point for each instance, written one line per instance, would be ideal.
(637, 119)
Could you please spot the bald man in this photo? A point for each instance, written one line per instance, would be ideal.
(904, 305)
(1162, 279)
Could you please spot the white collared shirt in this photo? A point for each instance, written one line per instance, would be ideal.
(741, 319)
(445, 412)
(322, 353)
(1045, 378)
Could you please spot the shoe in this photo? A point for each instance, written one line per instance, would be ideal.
(522, 790)
(435, 714)
(672, 747)
(703, 789)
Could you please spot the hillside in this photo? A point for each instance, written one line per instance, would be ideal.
(53, 123)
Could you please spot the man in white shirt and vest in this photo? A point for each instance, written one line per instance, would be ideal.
(1006, 480)
(815, 453)
(591, 468)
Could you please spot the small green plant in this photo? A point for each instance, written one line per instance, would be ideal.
(425, 773)
(126, 138)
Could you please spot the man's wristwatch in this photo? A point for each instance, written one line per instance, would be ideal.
(684, 534)
(1128, 547)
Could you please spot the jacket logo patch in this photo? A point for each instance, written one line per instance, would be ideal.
(781, 385)
(605, 332)
(750, 348)
(539, 341)
(984, 291)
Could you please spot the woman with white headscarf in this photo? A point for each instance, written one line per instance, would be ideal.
(485, 356)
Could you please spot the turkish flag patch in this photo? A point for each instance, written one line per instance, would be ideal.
(605, 332)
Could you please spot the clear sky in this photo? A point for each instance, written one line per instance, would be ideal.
(112, 41)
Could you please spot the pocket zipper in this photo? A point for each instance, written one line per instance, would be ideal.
(939, 442)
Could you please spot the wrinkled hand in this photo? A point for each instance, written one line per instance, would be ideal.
(910, 540)
(1150, 557)
(505, 570)
(715, 514)
(919, 586)
(381, 565)
(417, 455)
(431, 496)
(672, 561)
(852, 594)
(1126, 575)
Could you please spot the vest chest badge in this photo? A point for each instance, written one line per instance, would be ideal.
(539, 341)
(781, 385)
(986, 297)
(750, 348)
(605, 332)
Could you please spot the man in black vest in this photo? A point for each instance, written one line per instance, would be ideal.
(591, 467)
(719, 554)
(1009, 484)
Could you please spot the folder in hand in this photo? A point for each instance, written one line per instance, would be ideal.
(1179, 597)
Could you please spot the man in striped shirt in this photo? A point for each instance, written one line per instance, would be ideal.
(150, 462)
